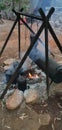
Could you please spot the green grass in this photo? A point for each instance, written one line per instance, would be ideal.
(23, 3)
(2, 7)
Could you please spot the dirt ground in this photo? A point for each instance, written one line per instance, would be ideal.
(46, 115)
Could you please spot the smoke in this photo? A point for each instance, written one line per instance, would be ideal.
(37, 52)
(36, 4)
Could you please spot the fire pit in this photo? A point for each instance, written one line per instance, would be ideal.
(28, 78)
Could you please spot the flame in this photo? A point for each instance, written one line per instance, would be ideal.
(32, 76)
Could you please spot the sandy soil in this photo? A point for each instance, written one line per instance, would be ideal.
(33, 112)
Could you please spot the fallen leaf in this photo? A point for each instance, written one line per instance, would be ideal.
(23, 116)
(45, 105)
(59, 105)
(3, 122)
(54, 120)
(58, 118)
(7, 127)
(39, 121)
(53, 127)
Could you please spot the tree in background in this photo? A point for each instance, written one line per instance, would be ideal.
(7, 4)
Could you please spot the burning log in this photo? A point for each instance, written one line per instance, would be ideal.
(55, 70)
(38, 56)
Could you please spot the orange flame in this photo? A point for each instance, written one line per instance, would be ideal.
(32, 76)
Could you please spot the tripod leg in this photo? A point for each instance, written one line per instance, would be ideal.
(19, 34)
(22, 61)
(54, 37)
(46, 57)
(8, 37)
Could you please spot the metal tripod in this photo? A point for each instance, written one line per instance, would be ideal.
(45, 25)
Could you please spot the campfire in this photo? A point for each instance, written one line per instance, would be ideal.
(27, 76)
(28, 86)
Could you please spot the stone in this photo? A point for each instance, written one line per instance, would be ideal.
(55, 89)
(15, 100)
(58, 89)
(31, 95)
(6, 67)
(9, 61)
